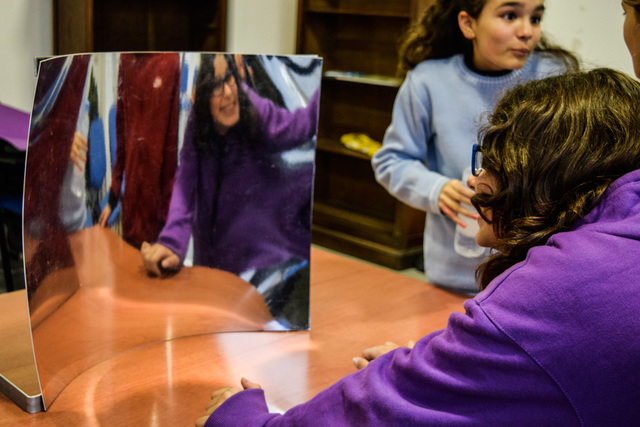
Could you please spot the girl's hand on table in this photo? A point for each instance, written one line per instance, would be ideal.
(218, 397)
(158, 259)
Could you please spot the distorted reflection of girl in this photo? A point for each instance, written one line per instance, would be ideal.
(246, 206)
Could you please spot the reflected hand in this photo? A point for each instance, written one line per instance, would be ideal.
(374, 352)
(79, 148)
(242, 70)
(104, 216)
(452, 195)
(157, 258)
(218, 397)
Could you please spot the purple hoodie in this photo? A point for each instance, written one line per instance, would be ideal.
(239, 222)
(554, 340)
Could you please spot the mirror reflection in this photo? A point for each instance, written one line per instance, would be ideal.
(166, 194)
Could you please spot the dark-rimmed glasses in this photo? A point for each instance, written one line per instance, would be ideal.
(218, 84)
(476, 160)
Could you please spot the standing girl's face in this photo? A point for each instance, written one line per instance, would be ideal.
(225, 109)
(631, 32)
(504, 34)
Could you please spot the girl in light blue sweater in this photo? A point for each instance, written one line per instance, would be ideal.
(458, 59)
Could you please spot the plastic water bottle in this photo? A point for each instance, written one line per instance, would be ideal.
(464, 241)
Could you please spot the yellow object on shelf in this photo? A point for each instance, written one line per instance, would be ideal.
(360, 142)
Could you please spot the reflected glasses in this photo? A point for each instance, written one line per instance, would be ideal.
(476, 160)
(218, 84)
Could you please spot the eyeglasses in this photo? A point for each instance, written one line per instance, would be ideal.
(218, 84)
(476, 160)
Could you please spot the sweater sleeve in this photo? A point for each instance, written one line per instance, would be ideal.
(247, 408)
(470, 373)
(286, 129)
(401, 164)
(177, 231)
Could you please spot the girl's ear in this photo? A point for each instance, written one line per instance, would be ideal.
(467, 24)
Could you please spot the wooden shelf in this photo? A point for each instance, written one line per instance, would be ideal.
(384, 8)
(362, 78)
(329, 11)
(358, 41)
(366, 236)
(335, 147)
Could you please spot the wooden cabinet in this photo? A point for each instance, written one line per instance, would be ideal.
(358, 40)
(144, 25)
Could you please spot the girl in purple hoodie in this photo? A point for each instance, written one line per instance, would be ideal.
(552, 337)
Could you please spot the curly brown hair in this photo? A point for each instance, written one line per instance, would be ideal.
(554, 146)
(437, 35)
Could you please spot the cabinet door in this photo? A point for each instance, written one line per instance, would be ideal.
(143, 25)
(358, 40)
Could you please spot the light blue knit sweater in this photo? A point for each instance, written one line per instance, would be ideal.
(435, 122)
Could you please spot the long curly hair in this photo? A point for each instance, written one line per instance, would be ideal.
(436, 34)
(554, 146)
(206, 139)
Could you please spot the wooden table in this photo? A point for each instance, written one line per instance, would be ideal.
(117, 306)
(168, 383)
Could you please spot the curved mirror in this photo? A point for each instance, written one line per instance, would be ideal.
(166, 195)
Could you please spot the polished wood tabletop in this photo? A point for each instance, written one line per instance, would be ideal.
(117, 307)
(168, 383)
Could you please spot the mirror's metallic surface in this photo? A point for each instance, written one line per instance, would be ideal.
(123, 131)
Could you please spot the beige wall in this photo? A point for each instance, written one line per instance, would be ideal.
(262, 26)
(592, 28)
(26, 30)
